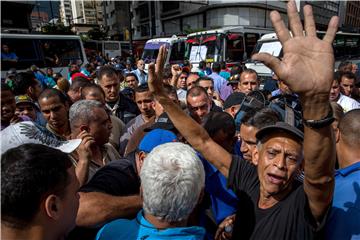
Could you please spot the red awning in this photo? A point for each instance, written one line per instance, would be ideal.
(233, 36)
(209, 39)
(192, 40)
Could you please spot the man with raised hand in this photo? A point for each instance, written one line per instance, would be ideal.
(274, 204)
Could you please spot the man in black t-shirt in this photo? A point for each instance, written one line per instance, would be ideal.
(276, 206)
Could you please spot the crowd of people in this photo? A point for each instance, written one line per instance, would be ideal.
(112, 151)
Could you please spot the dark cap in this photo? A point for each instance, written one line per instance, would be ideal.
(23, 99)
(235, 98)
(163, 122)
(278, 127)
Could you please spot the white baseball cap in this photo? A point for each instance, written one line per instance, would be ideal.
(29, 132)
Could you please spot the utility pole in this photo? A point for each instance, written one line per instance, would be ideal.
(130, 28)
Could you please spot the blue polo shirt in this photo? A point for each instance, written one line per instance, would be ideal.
(139, 228)
(344, 218)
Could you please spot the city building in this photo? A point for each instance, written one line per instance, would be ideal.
(352, 16)
(165, 18)
(65, 12)
(16, 16)
(44, 12)
(117, 19)
(81, 12)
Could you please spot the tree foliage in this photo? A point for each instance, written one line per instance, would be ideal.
(97, 33)
(57, 28)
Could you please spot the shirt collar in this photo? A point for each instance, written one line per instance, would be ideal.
(347, 170)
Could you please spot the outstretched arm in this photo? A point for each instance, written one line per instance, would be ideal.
(307, 68)
(94, 212)
(189, 128)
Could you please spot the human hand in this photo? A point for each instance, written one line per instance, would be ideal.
(176, 70)
(223, 232)
(308, 63)
(155, 73)
(84, 149)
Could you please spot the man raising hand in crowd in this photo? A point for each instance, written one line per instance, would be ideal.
(274, 204)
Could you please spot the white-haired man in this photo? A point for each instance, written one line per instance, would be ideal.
(172, 179)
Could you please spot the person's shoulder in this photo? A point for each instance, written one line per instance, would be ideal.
(119, 229)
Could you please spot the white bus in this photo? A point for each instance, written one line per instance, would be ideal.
(175, 46)
(230, 44)
(56, 51)
(109, 49)
(346, 47)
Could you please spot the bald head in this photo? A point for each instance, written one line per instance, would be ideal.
(350, 128)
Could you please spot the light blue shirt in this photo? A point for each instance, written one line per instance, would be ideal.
(344, 217)
(141, 76)
(139, 228)
(218, 81)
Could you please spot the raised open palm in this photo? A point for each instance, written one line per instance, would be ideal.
(308, 63)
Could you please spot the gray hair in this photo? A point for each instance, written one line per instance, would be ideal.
(172, 179)
(83, 110)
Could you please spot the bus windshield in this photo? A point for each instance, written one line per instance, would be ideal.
(40, 52)
(202, 48)
(151, 50)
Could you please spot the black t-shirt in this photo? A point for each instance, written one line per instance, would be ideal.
(118, 178)
(291, 218)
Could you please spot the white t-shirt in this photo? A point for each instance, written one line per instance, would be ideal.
(347, 103)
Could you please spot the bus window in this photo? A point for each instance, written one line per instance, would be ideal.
(26, 51)
(250, 42)
(67, 51)
(234, 48)
(177, 52)
(202, 48)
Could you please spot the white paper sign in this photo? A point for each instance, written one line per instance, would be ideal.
(272, 48)
(198, 53)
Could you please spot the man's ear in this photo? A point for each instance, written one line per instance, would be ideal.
(142, 156)
(53, 207)
(337, 135)
(255, 156)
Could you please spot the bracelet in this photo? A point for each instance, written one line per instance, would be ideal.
(316, 124)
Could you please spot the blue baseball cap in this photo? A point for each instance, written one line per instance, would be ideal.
(155, 138)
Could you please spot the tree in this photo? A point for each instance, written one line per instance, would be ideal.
(98, 33)
(57, 28)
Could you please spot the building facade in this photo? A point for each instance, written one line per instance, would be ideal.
(165, 18)
(116, 18)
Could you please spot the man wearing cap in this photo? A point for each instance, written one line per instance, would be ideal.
(25, 83)
(113, 192)
(273, 204)
(25, 106)
(8, 108)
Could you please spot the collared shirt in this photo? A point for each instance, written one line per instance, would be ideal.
(141, 75)
(344, 219)
(218, 81)
(347, 103)
(140, 228)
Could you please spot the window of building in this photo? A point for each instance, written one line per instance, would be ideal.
(168, 6)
